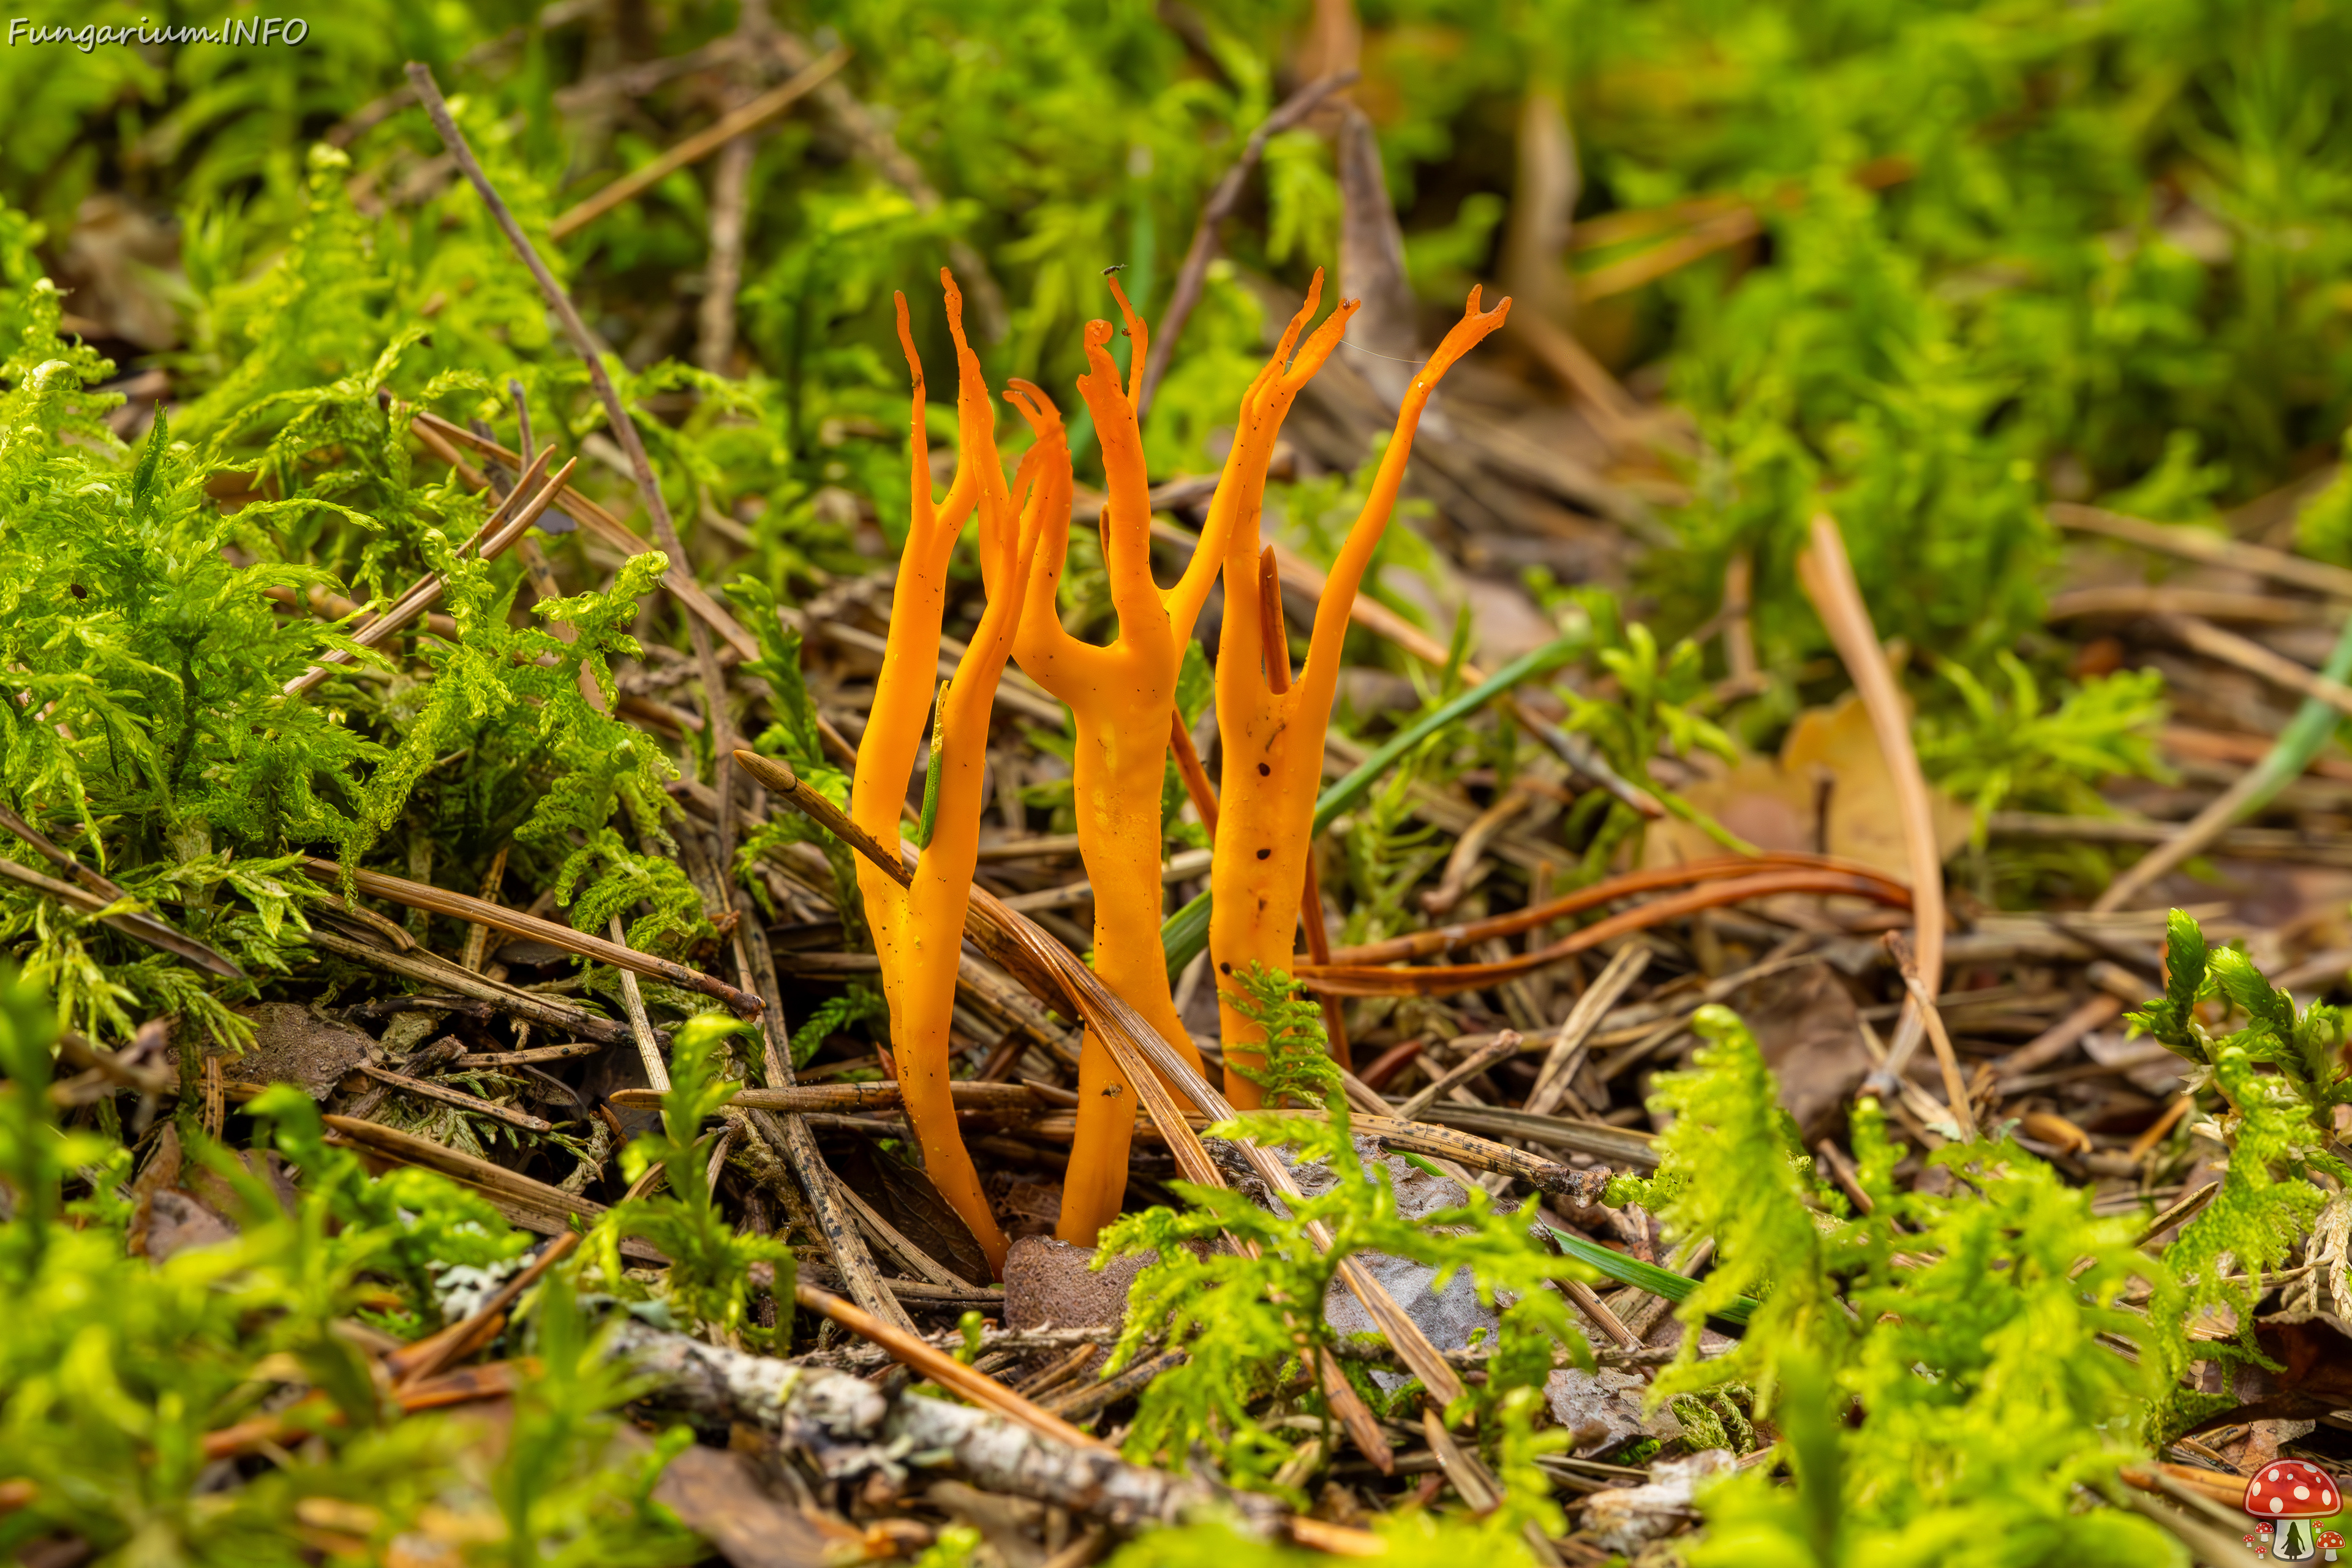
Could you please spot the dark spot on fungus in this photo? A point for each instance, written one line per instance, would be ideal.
(1263, 770)
(1266, 854)
(1225, 969)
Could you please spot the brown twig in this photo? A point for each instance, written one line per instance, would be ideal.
(778, 779)
(1567, 1053)
(2252, 656)
(1076, 1405)
(625, 431)
(1829, 581)
(478, 937)
(462, 1100)
(2126, 601)
(2059, 1037)
(415, 1362)
(96, 892)
(1506, 1044)
(506, 525)
(442, 438)
(514, 923)
(2212, 549)
(641, 1027)
(430, 969)
(940, 1367)
(694, 149)
(1453, 938)
(1955, 1089)
(1192, 276)
(2179, 1212)
(969, 1094)
(531, 1056)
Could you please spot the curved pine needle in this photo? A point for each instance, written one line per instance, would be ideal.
(1446, 979)
(1447, 939)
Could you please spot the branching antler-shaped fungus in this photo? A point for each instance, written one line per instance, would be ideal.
(918, 930)
(1121, 697)
(1273, 731)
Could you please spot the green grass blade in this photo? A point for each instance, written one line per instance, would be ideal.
(1644, 1275)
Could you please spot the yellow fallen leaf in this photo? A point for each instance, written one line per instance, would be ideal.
(1828, 791)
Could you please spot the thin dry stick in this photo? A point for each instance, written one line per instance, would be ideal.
(2061, 1037)
(413, 1363)
(500, 532)
(1192, 276)
(2191, 840)
(969, 1094)
(731, 188)
(425, 1089)
(2213, 548)
(694, 149)
(1626, 885)
(778, 779)
(1451, 979)
(1956, 1088)
(889, 1235)
(515, 922)
(2177, 1213)
(625, 431)
(96, 892)
(442, 440)
(641, 1027)
(1506, 1044)
(1738, 630)
(1594, 1308)
(789, 1135)
(478, 936)
(2161, 1128)
(1567, 1053)
(1829, 580)
(942, 1368)
(1703, 239)
(2252, 656)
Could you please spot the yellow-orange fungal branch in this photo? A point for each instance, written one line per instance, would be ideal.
(1273, 737)
(918, 928)
(1121, 697)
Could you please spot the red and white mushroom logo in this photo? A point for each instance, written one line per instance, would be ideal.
(2290, 1494)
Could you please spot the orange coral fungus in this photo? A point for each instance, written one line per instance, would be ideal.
(1273, 731)
(1121, 697)
(918, 930)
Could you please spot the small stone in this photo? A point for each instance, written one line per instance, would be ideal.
(1450, 1317)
